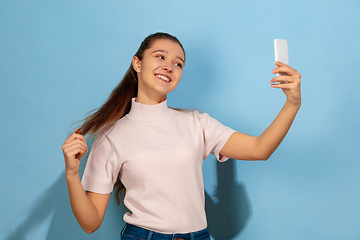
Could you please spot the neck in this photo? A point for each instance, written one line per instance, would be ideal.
(149, 99)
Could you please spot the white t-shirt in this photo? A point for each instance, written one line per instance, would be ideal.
(157, 153)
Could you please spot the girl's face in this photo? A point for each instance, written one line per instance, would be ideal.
(159, 71)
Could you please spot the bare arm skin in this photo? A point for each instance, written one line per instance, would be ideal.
(89, 208)
(245, 147)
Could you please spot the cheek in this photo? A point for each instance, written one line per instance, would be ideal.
(148, 66)
(179, 75)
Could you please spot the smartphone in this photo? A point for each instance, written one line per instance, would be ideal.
(281, 52)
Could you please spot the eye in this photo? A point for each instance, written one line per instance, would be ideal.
(160, 56)
(179, 65)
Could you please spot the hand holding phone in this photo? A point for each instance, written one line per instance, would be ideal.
(281, 52)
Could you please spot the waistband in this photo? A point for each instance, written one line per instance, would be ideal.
(141, 233)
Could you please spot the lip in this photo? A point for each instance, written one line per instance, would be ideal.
(163, 75)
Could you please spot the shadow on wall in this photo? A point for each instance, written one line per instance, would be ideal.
(63, 225)
(228, 214)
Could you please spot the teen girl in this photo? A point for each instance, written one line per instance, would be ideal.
(156, 152)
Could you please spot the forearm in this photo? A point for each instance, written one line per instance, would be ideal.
(83, 209)
(271, 138)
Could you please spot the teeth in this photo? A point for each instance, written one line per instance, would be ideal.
(163, 78)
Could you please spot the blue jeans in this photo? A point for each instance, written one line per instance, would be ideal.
(131, 232)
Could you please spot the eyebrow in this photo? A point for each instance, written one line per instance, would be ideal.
(164, 51)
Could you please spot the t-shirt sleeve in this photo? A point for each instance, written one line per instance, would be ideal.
(215, 135)
(101, 172)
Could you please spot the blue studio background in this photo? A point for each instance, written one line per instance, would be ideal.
(61, 59)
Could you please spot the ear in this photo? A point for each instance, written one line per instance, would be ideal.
(136, 63)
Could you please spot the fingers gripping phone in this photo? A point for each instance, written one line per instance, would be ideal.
(281, 52)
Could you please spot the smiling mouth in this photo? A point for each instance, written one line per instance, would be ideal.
(162, 77)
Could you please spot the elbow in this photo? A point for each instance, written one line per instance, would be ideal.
(256, 158)
(261, 157)
(261, 152)
(265, 157)
(90, 229)
(264, 153)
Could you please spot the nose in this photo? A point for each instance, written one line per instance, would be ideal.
(167, 67)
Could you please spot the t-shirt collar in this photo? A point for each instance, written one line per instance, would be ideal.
(149, 113)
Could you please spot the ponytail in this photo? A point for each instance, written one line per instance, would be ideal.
(117, 105)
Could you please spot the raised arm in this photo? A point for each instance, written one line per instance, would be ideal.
(89, 208)
(245, 147)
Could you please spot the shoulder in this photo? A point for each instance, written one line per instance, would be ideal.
(202, 120)
(106, 133)
(203, 117)
(187, 115)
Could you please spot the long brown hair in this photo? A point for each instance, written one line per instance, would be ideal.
(119, 102)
